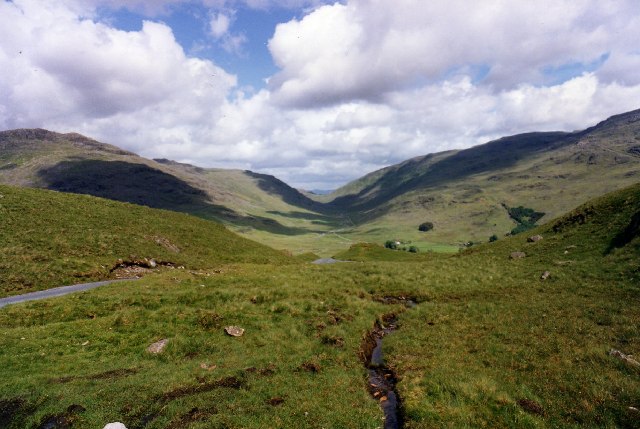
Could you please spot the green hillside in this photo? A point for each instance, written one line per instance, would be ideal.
(51, 238)
(468, 195)
(488, 343)
(255, 205)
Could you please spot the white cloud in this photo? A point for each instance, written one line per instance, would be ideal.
(365, 49)
(362, 84)
(219, 25)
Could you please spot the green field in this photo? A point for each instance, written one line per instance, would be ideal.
(489, 344)
(466, 194)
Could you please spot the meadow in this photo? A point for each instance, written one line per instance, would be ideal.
(489, 343)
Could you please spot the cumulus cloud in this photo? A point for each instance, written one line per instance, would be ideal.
(365, 49)
(362, 83)
(63, 71)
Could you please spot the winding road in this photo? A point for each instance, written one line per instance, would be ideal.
(58, 291)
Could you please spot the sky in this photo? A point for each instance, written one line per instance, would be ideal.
(315, 92)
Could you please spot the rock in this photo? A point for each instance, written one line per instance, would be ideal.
(545, 275)
(158, 346)
(534, 238)
(623, 357)
(152, 263)
(517, 255)
(234, 331)
(208, 367)
(116, 425)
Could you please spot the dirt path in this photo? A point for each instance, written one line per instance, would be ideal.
(58, 291)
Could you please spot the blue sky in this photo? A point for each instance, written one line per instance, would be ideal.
(190, 23)
(353, 86)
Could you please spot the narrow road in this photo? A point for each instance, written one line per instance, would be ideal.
(58, 291)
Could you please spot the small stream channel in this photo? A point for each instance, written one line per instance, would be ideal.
(381, 379)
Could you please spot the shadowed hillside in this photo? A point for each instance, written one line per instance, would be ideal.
(467, 195)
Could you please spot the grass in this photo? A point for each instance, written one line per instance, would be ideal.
(50, 239)
(490, 344)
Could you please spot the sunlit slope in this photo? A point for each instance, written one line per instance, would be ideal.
(77, 164)
(489, 343)
(465, 194)
(497, 346)
(50, 238)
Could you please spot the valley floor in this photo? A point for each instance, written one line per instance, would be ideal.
(491, 342)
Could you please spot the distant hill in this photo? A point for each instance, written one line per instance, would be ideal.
(52, 238)
(77, 164)
(468, 195)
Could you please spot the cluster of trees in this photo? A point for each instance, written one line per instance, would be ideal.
(426, 226)
(396, 245)
(526, 218)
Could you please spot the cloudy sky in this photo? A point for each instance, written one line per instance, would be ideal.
(314, 92)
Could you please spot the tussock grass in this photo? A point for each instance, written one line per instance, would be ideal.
(490, 344)
(49, 239)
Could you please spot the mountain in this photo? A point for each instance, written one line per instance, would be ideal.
(468, 195)
(77, 164)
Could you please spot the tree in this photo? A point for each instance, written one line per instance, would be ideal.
(426, 226)
(391, 244)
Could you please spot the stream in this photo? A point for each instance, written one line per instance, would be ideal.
(382, 380)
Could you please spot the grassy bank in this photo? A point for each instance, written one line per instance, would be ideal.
(490, 344)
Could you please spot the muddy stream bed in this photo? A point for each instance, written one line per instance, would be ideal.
(381, 380)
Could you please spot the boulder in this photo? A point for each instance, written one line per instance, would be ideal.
(517, 255)
(234, 331)
(158, 346)
(545, 275)
(116, 425)
(534, 238)
(624, 357)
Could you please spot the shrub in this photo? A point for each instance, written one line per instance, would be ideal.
(426, 226)
(391, 244)
(413, 249)
(493, 238)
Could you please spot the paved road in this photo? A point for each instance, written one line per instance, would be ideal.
(58, 291)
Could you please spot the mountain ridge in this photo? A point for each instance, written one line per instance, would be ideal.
(462, 192)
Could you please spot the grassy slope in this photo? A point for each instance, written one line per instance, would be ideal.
(50, 238)
(487, 335)
(463, 192)
(257, 206)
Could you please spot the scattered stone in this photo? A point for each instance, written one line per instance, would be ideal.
(623, 357)
(517, 255)
(545, 275)
(116, 425)
(234, 331)
(208, 367)
(158, 346)
(534, 238)
(161, 241)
